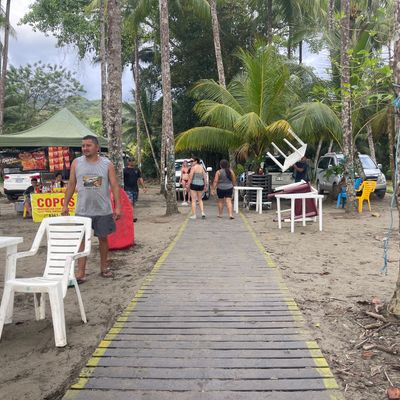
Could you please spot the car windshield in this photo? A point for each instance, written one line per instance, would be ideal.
(367, 162)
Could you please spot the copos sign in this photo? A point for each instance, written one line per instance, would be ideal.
(50, 205)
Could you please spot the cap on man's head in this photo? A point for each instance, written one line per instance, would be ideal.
(131, 159)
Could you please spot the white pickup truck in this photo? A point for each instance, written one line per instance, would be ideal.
(16, 182)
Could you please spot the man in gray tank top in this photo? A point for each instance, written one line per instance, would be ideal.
(91, 176)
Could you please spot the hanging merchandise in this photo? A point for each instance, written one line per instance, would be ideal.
(35, 160)
(57, 156)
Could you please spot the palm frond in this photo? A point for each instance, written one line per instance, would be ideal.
(315, 119)
(216, 114)
(208, 89)
(207, 138)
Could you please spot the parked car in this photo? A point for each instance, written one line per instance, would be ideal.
(16, 182)
(278, 178)
(327, 182)
(178, 186)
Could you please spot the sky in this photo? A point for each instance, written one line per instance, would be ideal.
(29, 47)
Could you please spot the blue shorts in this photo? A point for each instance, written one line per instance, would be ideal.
(133, 196)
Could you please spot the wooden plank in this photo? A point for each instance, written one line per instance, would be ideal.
(212, 325)
(94, 394)
(204, 373)
(205, 362)
(260, 354)
(198, 339)
(191, 344)
(208, 331)
(205, 384)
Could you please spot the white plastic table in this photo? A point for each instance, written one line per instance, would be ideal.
(258, 200)
(293, 197)
(10, 244)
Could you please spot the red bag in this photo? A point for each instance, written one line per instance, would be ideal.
(123, 237)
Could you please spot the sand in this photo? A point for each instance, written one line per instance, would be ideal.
(333, 276)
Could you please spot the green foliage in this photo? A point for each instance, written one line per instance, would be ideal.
(35, 91)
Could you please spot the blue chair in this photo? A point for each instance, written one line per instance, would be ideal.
(342, 197)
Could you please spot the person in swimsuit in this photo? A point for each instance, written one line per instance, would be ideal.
(198, 184)
(184, 181)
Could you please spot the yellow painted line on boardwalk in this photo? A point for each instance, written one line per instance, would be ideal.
(322, 365)
(120, 322)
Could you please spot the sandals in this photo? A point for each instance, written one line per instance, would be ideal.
(107, 273)
(80, 281)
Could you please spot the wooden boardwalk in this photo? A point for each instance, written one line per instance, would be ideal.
(212, 321)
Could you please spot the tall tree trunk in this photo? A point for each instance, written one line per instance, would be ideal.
(301, 52)
(103, 68)
(346, 100)
(331, 15)
(330, 146)
(167, 123)
(371, 143)
(114, 72)
(289, 43)
(217, 42)
(138, 96)
(4, 64)
(394, 306)
(269, 21)
(391, 135)
(317, 153)
(162, 167)
(146, 128)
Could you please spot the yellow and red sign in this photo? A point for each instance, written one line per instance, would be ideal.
(50, 205)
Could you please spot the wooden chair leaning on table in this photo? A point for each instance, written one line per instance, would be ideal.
(64, 236)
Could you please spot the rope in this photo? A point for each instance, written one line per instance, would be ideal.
(384, 269)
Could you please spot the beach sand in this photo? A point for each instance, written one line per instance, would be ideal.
(332, 275)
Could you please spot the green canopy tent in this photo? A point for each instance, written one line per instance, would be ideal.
(62, 129)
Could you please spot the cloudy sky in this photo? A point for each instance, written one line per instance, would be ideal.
(29, 46)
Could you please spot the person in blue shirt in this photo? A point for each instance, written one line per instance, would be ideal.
(301, 170)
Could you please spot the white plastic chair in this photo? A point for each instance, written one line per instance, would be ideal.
(64, 236)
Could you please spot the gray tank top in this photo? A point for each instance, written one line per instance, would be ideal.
(92, 187)
(198, 179)
(224, 183)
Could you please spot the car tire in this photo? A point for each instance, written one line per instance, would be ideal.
(12, 197)
(380, 193)
(320, 191)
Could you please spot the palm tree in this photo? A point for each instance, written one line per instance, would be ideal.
(346, 97)
(394, 306)
(315, 122)
(167, 123)
(114, 80)
(217, 42)
(250, 112)
(4, 64)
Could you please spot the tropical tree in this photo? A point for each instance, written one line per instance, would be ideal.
(4, 64)
(114, 83)
(33, 92)
(251, 111)
(167, 123)
(394, 306)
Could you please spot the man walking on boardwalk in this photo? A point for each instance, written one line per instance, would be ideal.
(92, 176)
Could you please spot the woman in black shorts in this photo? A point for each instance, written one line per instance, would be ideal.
(224, 182)
(198, 184)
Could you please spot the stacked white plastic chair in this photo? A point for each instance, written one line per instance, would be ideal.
(64, 236)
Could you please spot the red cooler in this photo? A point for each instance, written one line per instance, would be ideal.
(123, 237)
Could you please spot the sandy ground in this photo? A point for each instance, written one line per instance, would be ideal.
(333, 276)
(32, 368)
